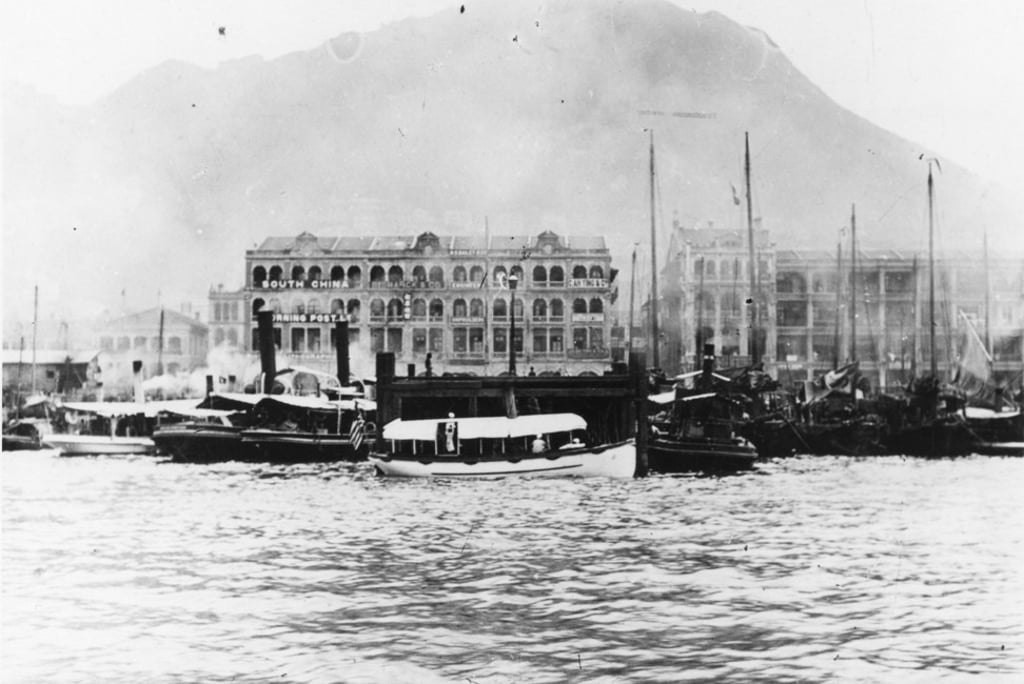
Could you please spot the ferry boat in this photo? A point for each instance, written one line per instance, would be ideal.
(537, 445)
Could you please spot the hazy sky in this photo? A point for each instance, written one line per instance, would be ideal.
(943, 73)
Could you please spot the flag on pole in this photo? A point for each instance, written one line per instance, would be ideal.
(735, 197)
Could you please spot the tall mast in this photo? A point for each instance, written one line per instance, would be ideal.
(160, 346)
(700, 316)
(632, 298)
(655, 361)
(988, 287)
(754, 355)
(839, 299)
(853, 283)
(35, 330)
(931, 275)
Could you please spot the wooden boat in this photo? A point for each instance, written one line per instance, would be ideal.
(210, 432)
(24, 434)
(537, 445)
(293, 428)
(105, 428)
(698, 433)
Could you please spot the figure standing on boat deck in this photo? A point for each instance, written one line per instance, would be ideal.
(539, 446)
(449, 433)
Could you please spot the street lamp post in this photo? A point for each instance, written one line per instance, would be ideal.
(513, 280)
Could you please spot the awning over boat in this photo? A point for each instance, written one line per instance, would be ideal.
(662, 397)
(110, 409)
(693, 374)
(303, 402)
(981, 413)
(492, 427)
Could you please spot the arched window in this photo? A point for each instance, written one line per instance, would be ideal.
(395, 309)
(395, 274)
(274, 304)
(436, 310)
(556, 276)
(596, 272)
(418, 274)
(257, 304)
(579, 272)
(459, 308)
(355, 276)
(698, 267)
(540, 274)
(259, 274)
(419, 308)
(557, 309)
(436, 274)
(353, 310)
(500, 276)
(500, 308)
(337, 273)
(377, 274)
(337, 306)
(476, 308)
(476, 274)
(275, 273)
(298, 273)
(232, 336)
(313, 306)
(377, 309)
(596, 305)
(298, 306)
(579, 306)
(725, 272)
(174, 345)
(316, 273)
(540, 309)
(517, 271)
(459, 274)
(519, 308)
(709, 269)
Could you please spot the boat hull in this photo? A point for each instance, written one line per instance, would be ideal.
(202, 444)
(614, 461)
(691, 456)
(276, 446)
(92, 445)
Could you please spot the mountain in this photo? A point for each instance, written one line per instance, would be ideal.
(534, 116)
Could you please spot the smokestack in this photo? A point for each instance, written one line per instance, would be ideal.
(411, 370)
(341, 347)
(209, 385)
(268, 361)
(140, 396)
(708, 365)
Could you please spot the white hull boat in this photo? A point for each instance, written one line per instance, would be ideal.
(496, 447)
(85, 445)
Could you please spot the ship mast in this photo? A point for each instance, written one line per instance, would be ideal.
(853, 283)
(839, 299)
(754, 355)
(632, 298)
(931, 275)
(655, 361)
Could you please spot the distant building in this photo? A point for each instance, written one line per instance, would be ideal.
(705, 297)
(137, 336)
(815, 317)
(414, 295)
(50, 371)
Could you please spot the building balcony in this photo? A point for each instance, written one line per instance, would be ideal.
(408, 285)
(468, 320)
(588, 318)
(548, 319)
(547, 284)
(589, 353)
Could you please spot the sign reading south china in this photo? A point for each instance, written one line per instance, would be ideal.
(309, 317)
(303, 284)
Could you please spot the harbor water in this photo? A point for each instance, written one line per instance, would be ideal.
(129, 569)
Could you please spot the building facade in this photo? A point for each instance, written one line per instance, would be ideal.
(816, 316)
(462, 300)
(178, 345)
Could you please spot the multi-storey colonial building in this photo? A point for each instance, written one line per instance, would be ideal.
(456, 298)
(707, 297)
(813, 311)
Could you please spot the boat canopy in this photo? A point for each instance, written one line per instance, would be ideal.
(491, 427)
(113, 409)
(692, 374)
(662, 397)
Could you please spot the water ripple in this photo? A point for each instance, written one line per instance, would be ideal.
(808, 569)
